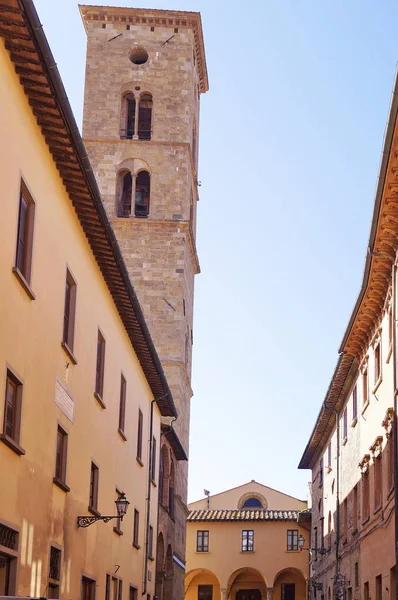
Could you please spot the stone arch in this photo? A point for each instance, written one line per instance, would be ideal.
(160, 567)
(290, 576)
(134, 165)
(201, 577)
(262, 499)
(247, 583)
(168, 575)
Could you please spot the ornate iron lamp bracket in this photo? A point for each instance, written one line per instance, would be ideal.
(87, 521)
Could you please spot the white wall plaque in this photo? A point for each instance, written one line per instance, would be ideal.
(64, 400)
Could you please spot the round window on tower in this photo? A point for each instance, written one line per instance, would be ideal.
(139, 56)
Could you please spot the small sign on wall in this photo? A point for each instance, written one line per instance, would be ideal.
(64, 400)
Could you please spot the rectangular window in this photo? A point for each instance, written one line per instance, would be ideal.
(354, 403)
(355, 509)
(322, 532)
(69, 311)
(378, 481)
(288, 591)
(365, 386)
(150, 543)
(316, 543)
(366, 590)
(292, 539)
(330, 455)
(378, 588)
(54, 571)
(12, 408)
(133, 594)
(139, 436)
(321, 472)
(136, 528)
(99, 376)
(62, 449)
(202, 541)
(205, 592)
(122, 404)
(345, 429)
(88, 589)
(93, 501)
(153, 463)
(365, 496)
(247, 540)
(377, 358)
(23, 260)
(356, 574)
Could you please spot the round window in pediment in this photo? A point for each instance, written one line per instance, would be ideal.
(252, 503)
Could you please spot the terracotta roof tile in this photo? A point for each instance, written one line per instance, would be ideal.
(243, 515)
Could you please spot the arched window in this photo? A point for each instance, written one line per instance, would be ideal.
(252, 503)
(127, 126)
(142, 194)
(145, 117)
(125, 191)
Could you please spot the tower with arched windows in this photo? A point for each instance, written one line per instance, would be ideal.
(145, 72)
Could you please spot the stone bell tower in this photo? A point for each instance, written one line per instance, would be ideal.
(145, 72)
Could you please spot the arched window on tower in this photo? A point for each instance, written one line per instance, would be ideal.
(127, 126)
(145, 117)
(125, 191)
(142, 194)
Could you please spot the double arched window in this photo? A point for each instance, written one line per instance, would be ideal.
(133, 194)
(136, 116)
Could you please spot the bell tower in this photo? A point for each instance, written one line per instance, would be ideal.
(145, 72)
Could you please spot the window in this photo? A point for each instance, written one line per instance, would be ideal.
(122, 405)
(136, 528)
(128, 117)
(247, 540)
(330, 455)
(356, 574)
(345, 430)
(150, 543)
(321, 472)
(366, 590)
(139, 436)
(93, 500)
(378, 481)
(69, 312)
(316, 543)
(126, 189)
(205, 592)
(23, 260)
(252, 503)
(355, 509)
(60, 461)
(365, 496)
(99, 376)
(354, 403)
(292, 539)
(202, 541)
(153, 461)
(345, 519)
(133, 594)
(12, 413)
(378, 588)
(365, 386)
(142, 193)
(54, 572)
(288, 591)
(377, 358)
(322, 532)
(88, 589)
(145, 117)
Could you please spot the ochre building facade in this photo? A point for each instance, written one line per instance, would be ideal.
(352, 449)
(243, 544)
(145, 73)
(78, 370)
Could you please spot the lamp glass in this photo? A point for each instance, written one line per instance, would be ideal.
(122, 505)
(301, 541)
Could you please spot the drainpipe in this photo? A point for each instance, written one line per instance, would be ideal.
(148, 498)
(337, 493)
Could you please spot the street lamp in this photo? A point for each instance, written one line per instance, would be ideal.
(301, 542)
(121, 506)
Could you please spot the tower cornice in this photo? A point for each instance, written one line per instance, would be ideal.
(154, 17)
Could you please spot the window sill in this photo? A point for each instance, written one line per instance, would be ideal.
(61, 484)
(122, 434)
(24, 283)
(118, 531)
(293, 551)
(354, 422)
(365, 406)
(343, 443)
(12, 444)
(201, 552)
(377, 385)
(94, 511)
(139, 461)
(99, 400)
(137, 546)
(69, 352)
(247, 551)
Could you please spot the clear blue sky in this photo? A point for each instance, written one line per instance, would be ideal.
(290, 140)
